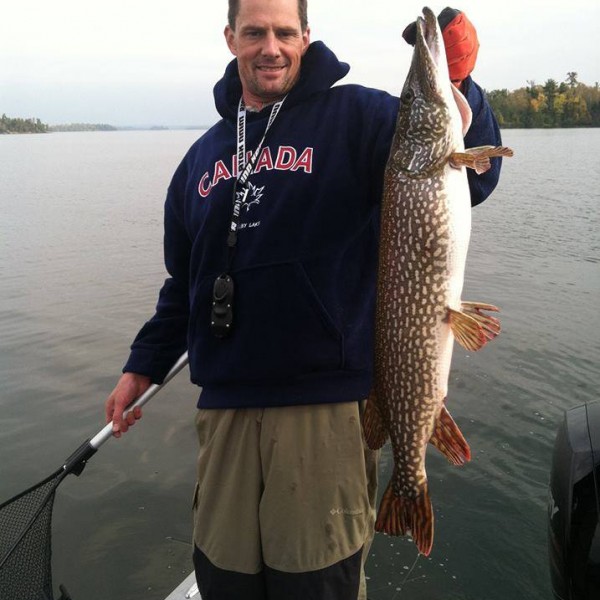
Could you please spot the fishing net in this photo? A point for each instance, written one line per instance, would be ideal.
(26, 519)
(25, 543)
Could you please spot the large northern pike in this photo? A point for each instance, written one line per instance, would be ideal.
(425, 229)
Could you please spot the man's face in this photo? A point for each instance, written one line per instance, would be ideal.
(269, 44)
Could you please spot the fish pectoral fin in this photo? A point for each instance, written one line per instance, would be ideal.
(490, 325)
(399, 515)
(472, 328)
(478, 158)
(464, 159)
(491, 151)
(373, 426)
(467, 331)
(449, 440)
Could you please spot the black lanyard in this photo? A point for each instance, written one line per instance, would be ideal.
(223, 288)
(240, 189)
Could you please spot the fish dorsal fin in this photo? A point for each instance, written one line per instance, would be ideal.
(373, 426)
(463, 107)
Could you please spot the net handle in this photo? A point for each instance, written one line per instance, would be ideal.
(106, 432)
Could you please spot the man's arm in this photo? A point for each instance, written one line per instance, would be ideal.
(484, 131)
(163, 338)
(462, 46)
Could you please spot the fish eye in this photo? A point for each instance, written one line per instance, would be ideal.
(407, 96)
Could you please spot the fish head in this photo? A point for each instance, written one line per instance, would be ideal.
(429, 126)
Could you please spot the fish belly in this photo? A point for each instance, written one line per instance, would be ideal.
(425, 232)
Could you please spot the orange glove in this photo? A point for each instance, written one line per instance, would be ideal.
(460, 40)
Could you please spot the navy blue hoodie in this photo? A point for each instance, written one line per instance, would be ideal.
(305, 264)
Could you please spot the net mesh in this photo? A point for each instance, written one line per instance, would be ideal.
(26, 574)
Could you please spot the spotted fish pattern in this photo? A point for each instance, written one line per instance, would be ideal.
(425, 229)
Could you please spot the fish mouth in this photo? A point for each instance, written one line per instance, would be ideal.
(432, 57)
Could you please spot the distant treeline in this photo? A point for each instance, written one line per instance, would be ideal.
(9, 125)
(33, 125)
(82, 127)
(565, 104)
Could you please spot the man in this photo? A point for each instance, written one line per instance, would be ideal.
(271, 230)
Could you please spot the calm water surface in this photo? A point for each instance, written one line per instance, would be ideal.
(80, 235)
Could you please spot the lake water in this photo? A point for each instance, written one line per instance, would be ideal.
(80, 236)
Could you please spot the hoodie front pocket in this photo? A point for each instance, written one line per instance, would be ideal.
(281, 329)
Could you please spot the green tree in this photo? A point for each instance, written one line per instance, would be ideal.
(551, 92)
(568, 104)
(572, 79)
(12, 125)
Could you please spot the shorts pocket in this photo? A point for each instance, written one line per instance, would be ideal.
(195, 496)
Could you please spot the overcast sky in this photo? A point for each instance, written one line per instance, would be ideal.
(144, 62)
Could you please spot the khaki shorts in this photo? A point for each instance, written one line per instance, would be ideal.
(293, 487)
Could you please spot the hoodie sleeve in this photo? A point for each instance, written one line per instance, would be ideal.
(163, 338)
(484, 131)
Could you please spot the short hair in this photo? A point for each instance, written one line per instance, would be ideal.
(234, 8)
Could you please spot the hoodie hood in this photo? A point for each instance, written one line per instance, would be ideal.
(319, 70)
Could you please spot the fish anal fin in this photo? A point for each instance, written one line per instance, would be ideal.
(399, 515)
(490, 325)
(478, 158)
(449, 440)
(373, 425)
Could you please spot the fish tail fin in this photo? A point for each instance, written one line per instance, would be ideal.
(478, 158)
(399, 515)
(449, 440)
(472, 328)
(375, 432)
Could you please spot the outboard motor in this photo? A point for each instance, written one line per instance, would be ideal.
(574, 506)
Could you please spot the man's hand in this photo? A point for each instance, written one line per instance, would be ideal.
(460, 40)
(128, 388)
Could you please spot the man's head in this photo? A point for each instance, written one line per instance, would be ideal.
(234, 8)
(269, 38)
